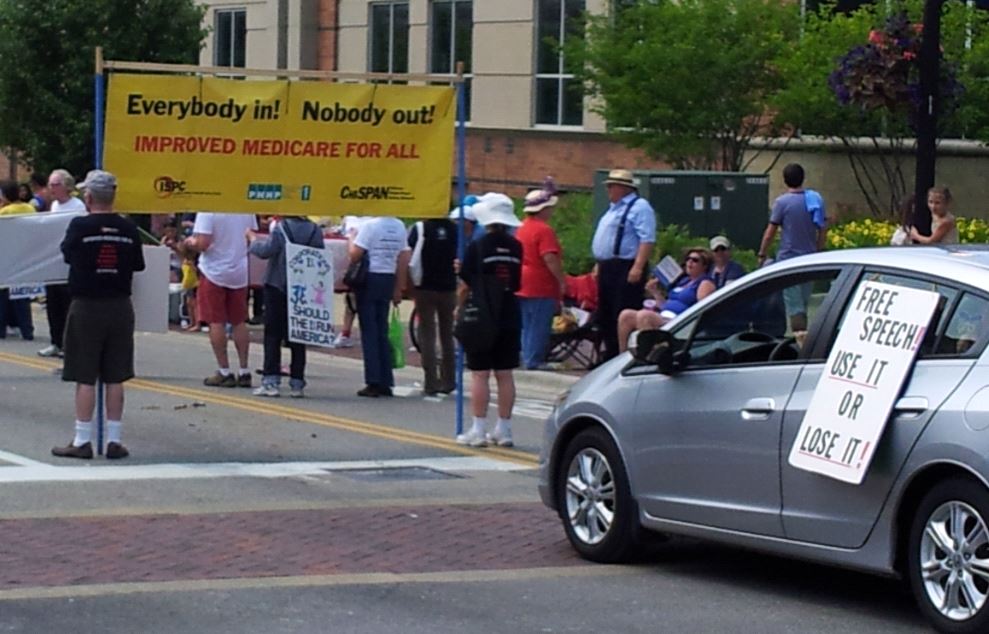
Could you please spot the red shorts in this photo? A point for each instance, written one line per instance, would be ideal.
(221, 305)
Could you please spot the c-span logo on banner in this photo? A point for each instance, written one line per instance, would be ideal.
(264, 191)
(375, 192)
(165, 186)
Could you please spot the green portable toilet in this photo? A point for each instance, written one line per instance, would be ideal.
(735, 204)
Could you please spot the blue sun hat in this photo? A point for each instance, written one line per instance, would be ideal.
(469, 202)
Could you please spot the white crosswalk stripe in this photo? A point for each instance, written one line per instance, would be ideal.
(41, 472)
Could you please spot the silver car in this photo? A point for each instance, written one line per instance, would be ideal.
(689, 433)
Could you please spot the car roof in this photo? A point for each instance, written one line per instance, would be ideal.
(967, 264)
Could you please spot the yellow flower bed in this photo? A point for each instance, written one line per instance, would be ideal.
(873, 233)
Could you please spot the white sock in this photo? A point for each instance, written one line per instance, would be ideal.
(479, 425)
(224, 371)
(113, 428)
(84, 432)
(503, 426)
(245, 371)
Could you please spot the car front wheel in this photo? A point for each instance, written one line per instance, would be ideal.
(599, 515)
(948, 558)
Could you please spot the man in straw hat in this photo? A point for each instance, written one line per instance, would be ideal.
(622, 245)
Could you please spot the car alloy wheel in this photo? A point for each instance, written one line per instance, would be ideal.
(590, 495)
(599, 515)
(949, 556)
(954, 555)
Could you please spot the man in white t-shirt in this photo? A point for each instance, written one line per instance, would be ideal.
(222, 295)
(383, 241)
(57, 299)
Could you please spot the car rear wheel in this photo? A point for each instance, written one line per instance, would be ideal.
(948, 560)
(599, 515)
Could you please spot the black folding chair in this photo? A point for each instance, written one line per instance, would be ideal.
(582, 347)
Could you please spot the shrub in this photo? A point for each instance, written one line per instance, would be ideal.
(860, 233)
(574, 224)
(973, 230)
(877, 233)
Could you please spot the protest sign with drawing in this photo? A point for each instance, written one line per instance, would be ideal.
(869, 362)
(309, 274)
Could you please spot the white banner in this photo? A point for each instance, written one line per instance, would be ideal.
(310, 294)
(149, 291)
(29, 248)
(870, 360)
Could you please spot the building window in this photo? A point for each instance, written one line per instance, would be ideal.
(389, 37)
(230, 38)
(452, 40)
(559, 96)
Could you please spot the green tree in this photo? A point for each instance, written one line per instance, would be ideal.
(686, 81)
(48, 54)
(875, 140)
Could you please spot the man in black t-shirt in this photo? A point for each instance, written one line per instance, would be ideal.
(103, 250)
(435, 296)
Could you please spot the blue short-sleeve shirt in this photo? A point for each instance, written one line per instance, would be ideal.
(640, 227)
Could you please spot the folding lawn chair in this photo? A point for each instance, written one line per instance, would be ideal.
(580, 347)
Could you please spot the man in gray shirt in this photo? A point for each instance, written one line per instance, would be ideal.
(799, 216)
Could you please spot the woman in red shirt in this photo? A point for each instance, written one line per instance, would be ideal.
(543, 281)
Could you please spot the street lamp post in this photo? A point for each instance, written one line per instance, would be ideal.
(929, 62)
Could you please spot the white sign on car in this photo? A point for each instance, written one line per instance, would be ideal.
(871, 357)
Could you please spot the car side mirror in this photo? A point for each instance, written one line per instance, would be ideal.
(653, 347)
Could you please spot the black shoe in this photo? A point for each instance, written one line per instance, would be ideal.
(369, 391)
(384, 391)
(116, 451)
(84, 452)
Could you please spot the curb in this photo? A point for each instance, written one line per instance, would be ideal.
(543, 383)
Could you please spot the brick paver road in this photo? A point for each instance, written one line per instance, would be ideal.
(152, 548)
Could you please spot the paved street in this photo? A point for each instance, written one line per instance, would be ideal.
(341, 514)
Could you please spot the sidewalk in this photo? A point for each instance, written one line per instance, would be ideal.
(544, 383)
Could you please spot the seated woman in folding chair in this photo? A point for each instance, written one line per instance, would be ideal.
(693, 285)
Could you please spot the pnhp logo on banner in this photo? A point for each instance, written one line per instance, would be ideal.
(871, 357)
(309, 275)
(295, 148)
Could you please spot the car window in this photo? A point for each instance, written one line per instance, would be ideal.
(765, 323)
(948, 295)
(968, 325)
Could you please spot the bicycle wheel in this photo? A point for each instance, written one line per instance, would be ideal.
(413, 328)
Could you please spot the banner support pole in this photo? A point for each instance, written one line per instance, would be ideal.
(461, 238)
(99, 87)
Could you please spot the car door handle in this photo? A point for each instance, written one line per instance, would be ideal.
(758, 408)
(910, 406)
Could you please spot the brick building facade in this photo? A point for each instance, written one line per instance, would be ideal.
(523, 123)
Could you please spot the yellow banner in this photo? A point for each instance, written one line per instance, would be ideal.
(279, 147)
